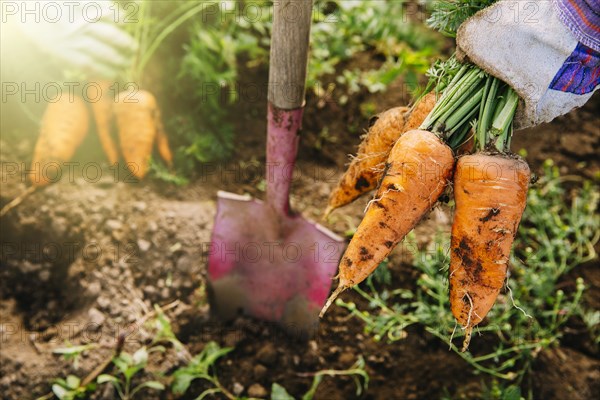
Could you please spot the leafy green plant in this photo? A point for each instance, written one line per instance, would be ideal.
(342, 29)
(128, 366)
(200, 367)
(72, 353)
(559, 230)
(357, 371)
(71, 389)
(448, 15)
(221, 45)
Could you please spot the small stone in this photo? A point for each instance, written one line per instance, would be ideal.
(149, 290)
(152, 226)
(94, 289)
(143, 245)
(232, 338)
(140, 206)
(237, 388)
(267, 354)
(96, 318)
(59, 225)
(260, 371)
(103, 302)
(346, 358)
(185, 263)
(257, 390)
(117, 235)
(113, 224)
(44, 275)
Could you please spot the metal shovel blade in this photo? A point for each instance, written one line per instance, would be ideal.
(271, 267)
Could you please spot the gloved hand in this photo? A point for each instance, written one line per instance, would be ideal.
(528, 46)
(86, 37)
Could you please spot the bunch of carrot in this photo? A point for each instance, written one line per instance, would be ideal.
(416, 166)
(65, 124)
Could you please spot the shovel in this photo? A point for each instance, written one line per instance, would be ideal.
(265, 260)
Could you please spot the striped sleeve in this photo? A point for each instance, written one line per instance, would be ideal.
(582, 17)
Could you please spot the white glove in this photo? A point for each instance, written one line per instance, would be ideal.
(80, 35)
(525, 44)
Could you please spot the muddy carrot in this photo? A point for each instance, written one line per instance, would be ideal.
(64, 125)
(490, 191)
(417, 171)
(367, 167)
(419, 167)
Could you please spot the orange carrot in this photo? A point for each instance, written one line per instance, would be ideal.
(490, 193)
(64, 125)
(418, 169)
(102, 109)
(367, 168)
(420, 111)
(136, 112)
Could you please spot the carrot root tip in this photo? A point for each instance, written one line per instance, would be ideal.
(331, 299)
(328, 211)
(467, 340)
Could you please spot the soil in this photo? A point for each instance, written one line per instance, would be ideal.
(83, 261)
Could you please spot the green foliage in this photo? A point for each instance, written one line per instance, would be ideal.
(559, 230)
(71, 389)
(72, 353)
(226, 40)
(128, 366)
(448, 15)
(357, 371)
(500, 391)
(343, 29)
(160, 171)
(209, 74)
(200, 367)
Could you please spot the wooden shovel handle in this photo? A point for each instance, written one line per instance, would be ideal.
(289, 53)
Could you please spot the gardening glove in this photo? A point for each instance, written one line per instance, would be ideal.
(548, 51)
(83, 36)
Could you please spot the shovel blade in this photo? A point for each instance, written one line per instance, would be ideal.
(272, 267)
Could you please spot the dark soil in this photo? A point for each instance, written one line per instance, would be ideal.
(82, 261)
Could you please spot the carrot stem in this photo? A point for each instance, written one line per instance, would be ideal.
(503, 122)
(450, 99)
(468, 108)
(486, 112)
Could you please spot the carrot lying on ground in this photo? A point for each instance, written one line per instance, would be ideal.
(367, 168)
(102, 109)
(490, 192)
(138, 122)
(419, 166)
(64, 125)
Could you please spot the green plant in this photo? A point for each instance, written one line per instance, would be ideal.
(343, 29)
(559, 231)
(357, 371)
(128, 366)
(71, 389)
(72, 353)
(199, 367)
(500, 391)
(448, 15)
